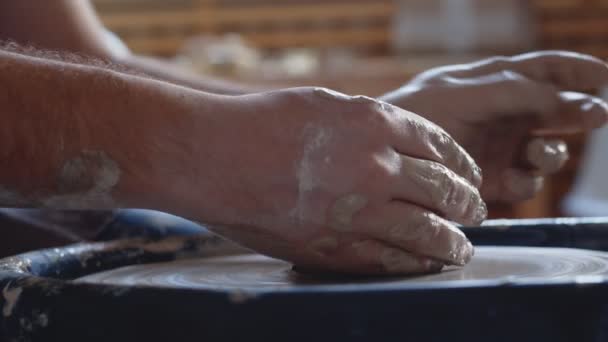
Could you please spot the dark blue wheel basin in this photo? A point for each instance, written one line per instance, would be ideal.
(41, 302)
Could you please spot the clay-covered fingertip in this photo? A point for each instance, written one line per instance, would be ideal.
(477, 177)
(482, 213)
(470, 254)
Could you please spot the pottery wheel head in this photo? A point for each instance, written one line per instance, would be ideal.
(256, 271)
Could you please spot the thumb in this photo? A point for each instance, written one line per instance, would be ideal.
(577, 113)
(508, 94)
(504, 94)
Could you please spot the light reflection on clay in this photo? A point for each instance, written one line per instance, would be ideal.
(259, 272)
(549, 156)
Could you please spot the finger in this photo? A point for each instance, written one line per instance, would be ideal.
(416, 231)
(435, 187)
(418, 137)
(350, 252)
(375, 257)
(511, 94)
(577, 113)
(504, 93)
(566, 70)
(519, 185)
(547, 156)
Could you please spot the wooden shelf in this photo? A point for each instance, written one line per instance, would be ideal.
(264, 25)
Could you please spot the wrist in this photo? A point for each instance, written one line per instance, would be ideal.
(174, 167)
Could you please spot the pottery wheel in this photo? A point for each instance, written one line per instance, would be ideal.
(255, 271)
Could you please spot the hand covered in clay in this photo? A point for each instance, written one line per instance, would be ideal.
(338, 183)
(504, 110)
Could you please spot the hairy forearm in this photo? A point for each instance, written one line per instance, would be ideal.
(164, 70)
(84, 136)
(75, 27)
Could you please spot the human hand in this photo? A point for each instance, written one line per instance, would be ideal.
(505, 110)
(334, 182)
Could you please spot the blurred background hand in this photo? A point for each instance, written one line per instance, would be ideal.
(503, 110)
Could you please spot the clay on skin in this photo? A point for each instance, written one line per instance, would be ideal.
(86, 181)
(307, 175)
(480, 212)
(83, 182)
(344, 209)
(429, 173)
(423, 230)
(395, 261)
(414, 231)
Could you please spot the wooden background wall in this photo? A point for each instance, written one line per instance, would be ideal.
(160, 27)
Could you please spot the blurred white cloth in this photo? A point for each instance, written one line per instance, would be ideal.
(590, 194)
(462, 26)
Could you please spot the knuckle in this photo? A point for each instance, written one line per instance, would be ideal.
(442, 145)
(454, 196)
(379, 114)
(300, 92)
(383, 171)
(296, 96)
(457, 159)
(446, 143)
(446, 188)
(444, 139)
(431, 225)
